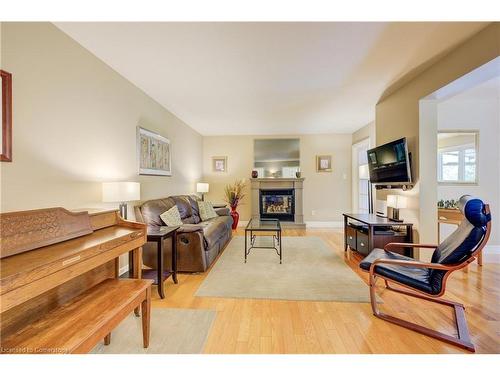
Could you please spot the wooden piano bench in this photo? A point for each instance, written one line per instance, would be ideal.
(78, 325)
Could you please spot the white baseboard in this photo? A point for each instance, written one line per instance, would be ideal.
(122, 270)
(324, 224)
(492, 249)
(491, 254)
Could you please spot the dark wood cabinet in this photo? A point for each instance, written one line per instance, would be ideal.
(362, 243)
(351, 237)
(365, 232)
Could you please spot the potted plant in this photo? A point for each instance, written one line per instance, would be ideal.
(234, 195)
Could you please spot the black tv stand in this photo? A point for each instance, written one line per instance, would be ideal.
(364, 232)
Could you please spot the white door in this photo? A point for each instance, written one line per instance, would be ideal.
(360, 179)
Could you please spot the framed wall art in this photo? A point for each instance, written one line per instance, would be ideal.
(219, 163)
(154, 153)
(6, 109)
(324, 163)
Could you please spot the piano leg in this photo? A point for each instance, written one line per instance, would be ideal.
(117, 268)
(137, 270)
(146, 315)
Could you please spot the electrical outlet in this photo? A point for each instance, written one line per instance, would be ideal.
(313, 212)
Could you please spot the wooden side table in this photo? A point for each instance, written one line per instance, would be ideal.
(448, 216)
(160, 274)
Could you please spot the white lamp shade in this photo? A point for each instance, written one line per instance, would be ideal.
(202, 187)
(396, 201)
(364, 174)
(121, 191)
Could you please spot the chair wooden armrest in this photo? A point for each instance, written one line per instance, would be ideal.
(391, 245)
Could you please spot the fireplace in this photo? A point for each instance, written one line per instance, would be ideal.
(277, 204)
(287, 201)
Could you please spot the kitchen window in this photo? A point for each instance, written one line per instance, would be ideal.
(457, 158)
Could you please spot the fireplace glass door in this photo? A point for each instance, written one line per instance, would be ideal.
(277, 204)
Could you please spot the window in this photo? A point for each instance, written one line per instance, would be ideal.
(364, 196)
(360, 177)
(457, 161)
(363, 192)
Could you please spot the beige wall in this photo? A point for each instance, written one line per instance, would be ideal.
(75, 125)
(327, 194)
(367, 131)
(398, 116)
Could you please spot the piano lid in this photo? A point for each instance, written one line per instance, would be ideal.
(28, 230)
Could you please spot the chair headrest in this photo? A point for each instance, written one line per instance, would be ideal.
(473, 210)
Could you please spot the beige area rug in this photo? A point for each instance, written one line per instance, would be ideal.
(310, 271)
(173, 331)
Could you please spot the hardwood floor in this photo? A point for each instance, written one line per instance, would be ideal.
(272, 326)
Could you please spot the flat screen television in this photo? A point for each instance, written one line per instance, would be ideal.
(390, 163)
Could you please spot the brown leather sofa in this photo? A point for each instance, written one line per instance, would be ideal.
(198, 242)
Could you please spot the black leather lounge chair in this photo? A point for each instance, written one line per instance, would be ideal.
(428, 280)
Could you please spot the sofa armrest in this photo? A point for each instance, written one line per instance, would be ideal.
(189, 228)
(222, 211)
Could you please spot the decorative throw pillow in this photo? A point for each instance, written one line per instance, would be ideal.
(172, 217)
(206, 210)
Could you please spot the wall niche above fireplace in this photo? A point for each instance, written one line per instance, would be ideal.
(277, 157)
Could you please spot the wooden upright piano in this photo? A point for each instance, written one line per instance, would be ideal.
(59, 285)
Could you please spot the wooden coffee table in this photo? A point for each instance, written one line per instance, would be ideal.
(263, 225)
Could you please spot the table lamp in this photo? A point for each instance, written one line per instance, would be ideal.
(121, 192)
(395, 202)
(202, 187)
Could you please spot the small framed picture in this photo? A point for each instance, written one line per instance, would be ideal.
(324, 163)
(219, 163)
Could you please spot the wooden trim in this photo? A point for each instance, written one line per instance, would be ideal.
(6, 154)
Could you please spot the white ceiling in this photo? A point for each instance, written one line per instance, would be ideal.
(268, 78)
(488, 90)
